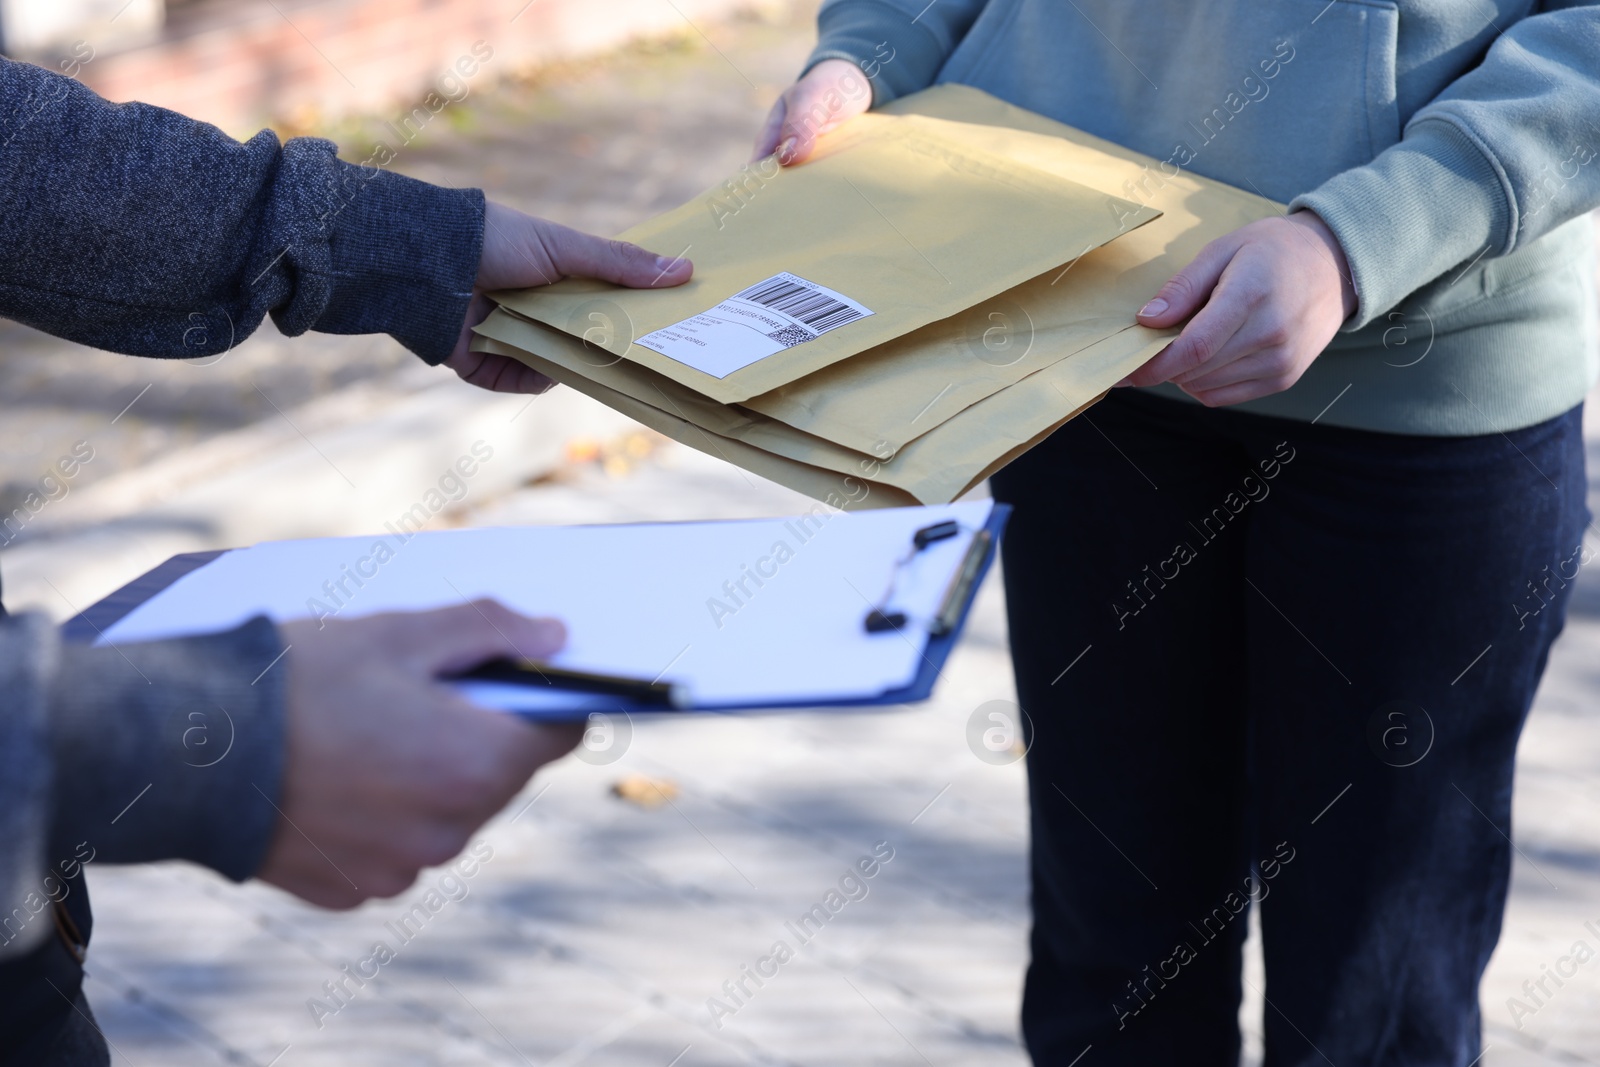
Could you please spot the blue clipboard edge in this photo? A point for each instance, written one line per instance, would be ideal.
(105, 613)
(100, 616)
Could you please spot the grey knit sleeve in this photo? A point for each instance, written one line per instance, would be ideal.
(27, 662)
(170, 750)
(131, 753)
(135, 229)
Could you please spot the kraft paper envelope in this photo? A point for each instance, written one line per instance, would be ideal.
(884, 398)
(567, 360)
(954, 442)
(939, 471)
(892, 226)
(849, 492)
(936, 467)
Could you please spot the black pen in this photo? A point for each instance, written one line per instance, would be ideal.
(530, 672)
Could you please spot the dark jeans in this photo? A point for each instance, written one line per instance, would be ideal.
(1278, 662)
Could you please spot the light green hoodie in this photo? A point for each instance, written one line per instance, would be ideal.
(1453, 147)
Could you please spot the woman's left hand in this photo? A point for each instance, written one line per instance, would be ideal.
(1264, 301)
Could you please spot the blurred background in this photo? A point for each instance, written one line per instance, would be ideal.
(631, 881)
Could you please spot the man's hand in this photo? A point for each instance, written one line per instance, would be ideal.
(520, 251)
(1265, 300)
(832, 92)
(387, 771)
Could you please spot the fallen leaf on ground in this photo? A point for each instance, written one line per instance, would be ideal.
(644, 791)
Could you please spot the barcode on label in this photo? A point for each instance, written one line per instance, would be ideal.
(802, 301)
(771, 316)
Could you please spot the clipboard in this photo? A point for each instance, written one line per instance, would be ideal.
(112, 619)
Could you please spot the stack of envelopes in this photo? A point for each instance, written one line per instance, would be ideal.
(944, 284)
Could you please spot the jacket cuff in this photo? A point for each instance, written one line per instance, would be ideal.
(170, 750)
(867, 33)
(403, 257)
(1432, 202)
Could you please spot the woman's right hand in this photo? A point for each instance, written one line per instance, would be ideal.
(831, 93)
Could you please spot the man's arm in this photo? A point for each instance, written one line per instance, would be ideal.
(135, 229)
(170, 750)
(27, 650)
(139, 230)
(328, 761)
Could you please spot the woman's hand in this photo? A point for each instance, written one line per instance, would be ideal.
(1264, 301)
(831, 93)
(520, 251)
